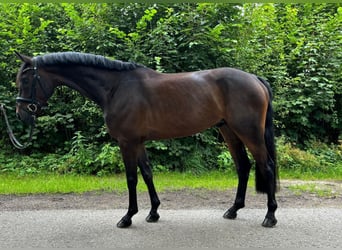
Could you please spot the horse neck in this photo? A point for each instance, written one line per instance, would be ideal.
(90, 82)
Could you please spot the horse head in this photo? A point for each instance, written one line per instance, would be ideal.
(33, 94)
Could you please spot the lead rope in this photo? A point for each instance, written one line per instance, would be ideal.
(14, 140)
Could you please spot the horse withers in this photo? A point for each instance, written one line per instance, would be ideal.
(140, 104)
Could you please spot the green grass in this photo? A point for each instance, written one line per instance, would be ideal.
(215, 180)
(53, 183)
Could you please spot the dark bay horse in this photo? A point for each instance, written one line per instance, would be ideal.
(140, 104)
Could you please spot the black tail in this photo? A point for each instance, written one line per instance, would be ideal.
(261, 184)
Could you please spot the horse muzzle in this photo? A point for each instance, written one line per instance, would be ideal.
(27, 114)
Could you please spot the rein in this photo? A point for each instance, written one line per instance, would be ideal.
(32, 107)
(13, 139)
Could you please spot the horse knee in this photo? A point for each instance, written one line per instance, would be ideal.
(132, 182)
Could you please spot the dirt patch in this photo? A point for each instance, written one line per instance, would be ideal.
(327, 194)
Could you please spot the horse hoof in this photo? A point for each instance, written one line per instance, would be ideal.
(124, 223)
(269, 222)
(230, 214)
(152, 217)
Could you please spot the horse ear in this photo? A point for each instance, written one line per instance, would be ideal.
(24, 58)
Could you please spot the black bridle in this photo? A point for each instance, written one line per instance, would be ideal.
(33, 105)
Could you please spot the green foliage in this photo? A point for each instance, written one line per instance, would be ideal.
(195, 154)
(85, 158)
(310, 106)
(318, 159)
(297, 47)
(225, 161)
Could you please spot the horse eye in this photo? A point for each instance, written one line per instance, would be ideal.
(25, 81)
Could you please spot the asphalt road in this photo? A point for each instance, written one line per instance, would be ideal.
(296, 228)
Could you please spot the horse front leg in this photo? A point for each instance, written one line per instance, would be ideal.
(129, 155)
(145, 168)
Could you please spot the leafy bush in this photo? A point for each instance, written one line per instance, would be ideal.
(296, 47)
(196, 153)
(86, 158)
(225, 161)
(318, 158)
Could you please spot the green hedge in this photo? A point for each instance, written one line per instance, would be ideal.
(297, 47)
(320, 160)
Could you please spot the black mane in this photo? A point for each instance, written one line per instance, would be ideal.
(85, 59)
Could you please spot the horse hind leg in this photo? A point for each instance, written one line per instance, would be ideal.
(243, 166)
(266, 183)
(265, 172)
(265, 179)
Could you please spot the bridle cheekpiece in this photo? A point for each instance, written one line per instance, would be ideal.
(33, 105)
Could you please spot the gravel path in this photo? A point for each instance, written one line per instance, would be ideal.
(329, 195)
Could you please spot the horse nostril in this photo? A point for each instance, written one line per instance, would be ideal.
(18, 115)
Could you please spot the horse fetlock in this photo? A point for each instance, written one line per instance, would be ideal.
(131, 212)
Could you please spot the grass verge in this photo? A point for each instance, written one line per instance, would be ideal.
(215, 180)
(53, 183)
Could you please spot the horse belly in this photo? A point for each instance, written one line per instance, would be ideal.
(181, 124)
